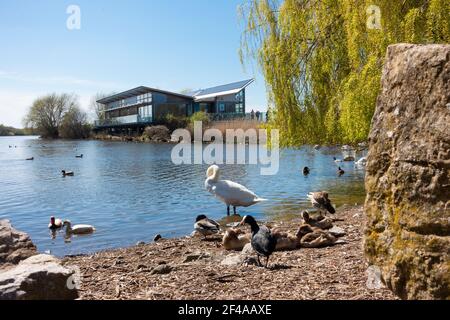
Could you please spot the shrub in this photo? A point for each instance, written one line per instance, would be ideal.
(157, 133)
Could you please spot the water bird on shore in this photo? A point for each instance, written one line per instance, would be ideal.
(321, 223)
(79, 228)
(67, 173)
(235, 239)
(340, 172)
(263, 242)
(80, 156)
(321, 201)
(285, 241)
(306, 171)
(310, 237)
(55, 223)
(206, 226)
(229, 192)
(29, 159)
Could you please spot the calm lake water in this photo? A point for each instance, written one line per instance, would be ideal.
(130, 192)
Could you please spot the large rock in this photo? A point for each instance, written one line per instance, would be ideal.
(408, 173)
(14, 245)
(40, 277)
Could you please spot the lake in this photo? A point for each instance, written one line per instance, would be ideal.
(130, 192)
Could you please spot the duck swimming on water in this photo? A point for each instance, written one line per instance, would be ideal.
(67, 173)
(55, 223)
(78, 229)
(229, 192)
(306, 171)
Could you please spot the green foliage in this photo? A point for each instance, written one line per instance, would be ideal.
(322, 63)
(199, 116)
(174, 122)
(74, 125)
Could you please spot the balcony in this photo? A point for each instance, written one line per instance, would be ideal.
(120, 121)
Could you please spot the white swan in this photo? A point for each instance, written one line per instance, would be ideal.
(78, 229)
(229, 192)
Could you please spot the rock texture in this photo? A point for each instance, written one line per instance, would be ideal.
(14, 245)
(40, 277)
(408, 173)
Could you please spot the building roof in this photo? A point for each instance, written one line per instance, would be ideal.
(138, 91)
(197, 95)
(222, 90)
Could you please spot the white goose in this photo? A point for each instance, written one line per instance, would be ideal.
(78, 229)
(229, 192)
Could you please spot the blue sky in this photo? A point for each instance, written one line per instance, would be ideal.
(166, 44)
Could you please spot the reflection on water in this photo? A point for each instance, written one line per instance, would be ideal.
(130, 192)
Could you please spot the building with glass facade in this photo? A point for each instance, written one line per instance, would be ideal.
(142, 106)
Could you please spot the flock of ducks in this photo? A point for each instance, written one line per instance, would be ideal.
(264, 241)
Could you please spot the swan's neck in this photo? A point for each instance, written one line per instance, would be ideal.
(214, 177)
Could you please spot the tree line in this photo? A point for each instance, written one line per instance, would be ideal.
(322, 59)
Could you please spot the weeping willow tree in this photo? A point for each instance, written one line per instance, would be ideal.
(322, 59)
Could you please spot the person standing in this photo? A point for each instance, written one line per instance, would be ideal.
(258, 114)
(252, 114)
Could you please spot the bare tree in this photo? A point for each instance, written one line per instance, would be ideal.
(47, 113)
(98, 109)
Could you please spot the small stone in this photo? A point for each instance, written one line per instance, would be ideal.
(232, 260)
(140, 243)
(337, 232)
(162, 269)
(157, 238)
(248, 250)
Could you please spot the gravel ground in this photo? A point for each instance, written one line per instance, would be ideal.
(190, 268)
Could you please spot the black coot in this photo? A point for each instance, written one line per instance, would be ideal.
(263, 242)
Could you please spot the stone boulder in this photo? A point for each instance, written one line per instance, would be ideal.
(41, 277)
(14, 245)
(408, 173)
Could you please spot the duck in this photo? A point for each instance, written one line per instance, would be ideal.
(235, 239)
(67, 173)
(306, 171)
(229, 192)
(263, 241)
(285, 241)
(321, 201)
(310, 237)
(55, 223)
(324, 223)
(317, 147)
(80, 156)
(79, 228)
(340, 172)
(337, 160)
(29, 159)
(206, 226)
